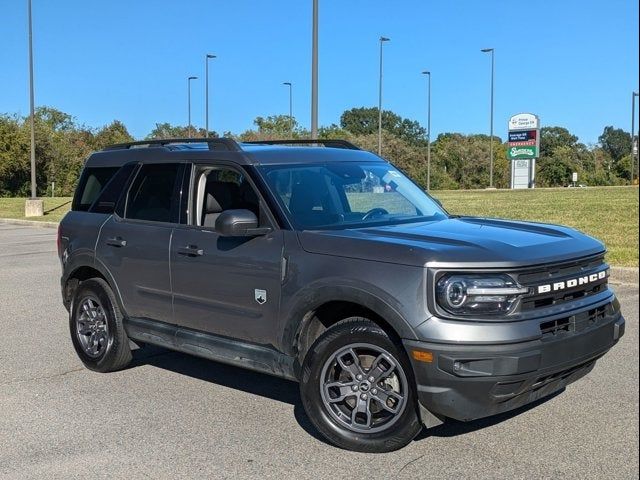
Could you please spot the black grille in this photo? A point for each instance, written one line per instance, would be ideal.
(574, 323)
(560, 273)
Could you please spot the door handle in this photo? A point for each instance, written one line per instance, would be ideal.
(117, 242)
(191, 251)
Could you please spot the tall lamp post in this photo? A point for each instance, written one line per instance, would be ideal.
(314, 72)
(382, 41)
(428, 73)
(33, 206)
(290, 85)
(206, 93)
(189, 101)
(491, 50)
(634, 144)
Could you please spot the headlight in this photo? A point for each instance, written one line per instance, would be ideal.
(471, 294)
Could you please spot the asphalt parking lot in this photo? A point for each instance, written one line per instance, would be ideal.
(173, 416)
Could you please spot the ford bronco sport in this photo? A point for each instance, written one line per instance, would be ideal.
(322, 263)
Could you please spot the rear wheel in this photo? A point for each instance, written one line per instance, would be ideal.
(358, 389)
(96, 327)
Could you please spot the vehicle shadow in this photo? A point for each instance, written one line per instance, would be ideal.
(273, 388)
(286, 391)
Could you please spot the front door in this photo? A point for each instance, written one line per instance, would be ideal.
(223, 285)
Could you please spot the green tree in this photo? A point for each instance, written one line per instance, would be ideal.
(554, 137)
(164, 131)
(616, 142)
(115, 132)
(364, 121)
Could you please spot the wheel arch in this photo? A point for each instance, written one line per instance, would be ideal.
(84, 271)
(318, 308)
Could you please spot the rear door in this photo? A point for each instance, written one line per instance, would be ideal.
(134, 243)
(223, 285)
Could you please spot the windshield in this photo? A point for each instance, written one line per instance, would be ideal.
(342, 195)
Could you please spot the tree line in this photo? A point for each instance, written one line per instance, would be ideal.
(457, 161)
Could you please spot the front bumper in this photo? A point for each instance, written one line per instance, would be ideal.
(471, 381)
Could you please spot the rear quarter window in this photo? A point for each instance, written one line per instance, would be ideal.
(92, 182)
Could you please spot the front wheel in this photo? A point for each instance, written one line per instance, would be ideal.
(358, 390)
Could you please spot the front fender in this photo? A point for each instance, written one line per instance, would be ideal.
(296, 311)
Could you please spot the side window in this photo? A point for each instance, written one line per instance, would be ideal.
(153, 195)
(106, 202)
(92, 182)
(219, 189)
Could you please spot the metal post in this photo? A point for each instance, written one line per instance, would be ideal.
(634, 152)
(32, 107)
(290, 85)
(189, 102)
(314, 73)
(491, 50)
(206, 94)
(382, 40)
(428, 73)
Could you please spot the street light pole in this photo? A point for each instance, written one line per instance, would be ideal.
(290, 85)
(189, 101)
(32, 107)
(314, 73)
(382, 40)
(491, 50)
(206, 94)
(428, 73)
(634, 146)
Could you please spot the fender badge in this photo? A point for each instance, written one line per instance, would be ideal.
(260, 296)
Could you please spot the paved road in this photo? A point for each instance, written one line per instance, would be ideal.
(173, 416)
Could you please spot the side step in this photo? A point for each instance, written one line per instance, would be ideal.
(212, 347)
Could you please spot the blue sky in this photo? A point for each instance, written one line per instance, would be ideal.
(574, 63)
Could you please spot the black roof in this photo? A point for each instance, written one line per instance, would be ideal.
(202, 150)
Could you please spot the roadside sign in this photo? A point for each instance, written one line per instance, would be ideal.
(518, 152)
(523, 136)
(523, 148)
(524, 121)
(574, 177)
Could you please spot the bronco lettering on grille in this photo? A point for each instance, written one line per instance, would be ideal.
(574, 282)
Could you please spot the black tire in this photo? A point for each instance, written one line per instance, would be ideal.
(112, 352)
(321, 360)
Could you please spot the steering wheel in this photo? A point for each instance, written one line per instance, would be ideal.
(375, 212)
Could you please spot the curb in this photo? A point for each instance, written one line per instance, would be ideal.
(28, 223)
(619, 275)
(624, 275)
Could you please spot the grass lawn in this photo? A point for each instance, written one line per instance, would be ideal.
(607, 213)
(54, 208)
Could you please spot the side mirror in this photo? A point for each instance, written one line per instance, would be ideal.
(239, 223)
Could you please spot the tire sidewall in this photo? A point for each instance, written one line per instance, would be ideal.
(98, 289)
(397, 435)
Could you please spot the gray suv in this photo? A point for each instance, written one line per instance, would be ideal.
(323, 263)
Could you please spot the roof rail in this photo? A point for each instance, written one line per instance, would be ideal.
(335, 143)
(227, 144)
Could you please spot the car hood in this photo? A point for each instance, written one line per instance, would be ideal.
(466, 240)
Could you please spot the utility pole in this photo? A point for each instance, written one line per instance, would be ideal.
(189, 102)
(634, 141)
(428, 73)
(491, 50)
(290, 85)
(382, 41)
(206, 93)
(33, 206)
(314, 73)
